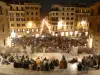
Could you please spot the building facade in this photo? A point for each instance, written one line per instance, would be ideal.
(95, 25)
(24, 18)
(64, 13)
(4, 24)
(83, 13)
(74, 18)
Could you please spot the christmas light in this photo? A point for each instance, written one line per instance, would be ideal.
(45, 22)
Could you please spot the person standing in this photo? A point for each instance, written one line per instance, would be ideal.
(98, 61)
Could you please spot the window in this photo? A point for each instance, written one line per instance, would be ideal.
(22, 19)
(72, 8)
(90, 26)
(17, 8)
(72, 18)
(67, 13)
(18, 25)
(27, 7)
(99, 11)
(37, 30)
(11, 14)
(62, 27)
(54, 18)
(32, 30)
(23, 14)
(98, 29)
(4, 42)
(11, 8)
(36, 13)
(27, 18)
(63, 8)
(63, 18)
(53, 13)
(81, 10)
(71, 23)
(56, 13)
(53, 28)
(71, 27)
(72, 13)
(32, 7)
(36, 7)
(22, 8)
(68, 8)
(27, 13)
(23, 25)
(11, 19)
(17, 14)
(17, 19)
(1, 10)
(62, 13)
(92, 12)
(23, 30)
(32, 13)
(12, 25)
(67, 23)
(18, 30)
(3, 28)
(67, 18)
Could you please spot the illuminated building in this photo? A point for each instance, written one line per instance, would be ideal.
(82, 16)
(4, 24)
(24, 18)
(95, 25)
(64, 13)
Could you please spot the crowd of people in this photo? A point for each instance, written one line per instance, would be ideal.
(51, 43)
(89, 62)
(47, 64)
(40, 64)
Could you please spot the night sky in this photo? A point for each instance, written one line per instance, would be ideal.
(47, 3)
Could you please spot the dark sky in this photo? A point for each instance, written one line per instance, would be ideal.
(47, 3)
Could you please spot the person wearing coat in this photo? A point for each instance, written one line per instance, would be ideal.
(47, 66)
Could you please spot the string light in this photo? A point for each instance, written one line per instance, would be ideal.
(44, 22)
